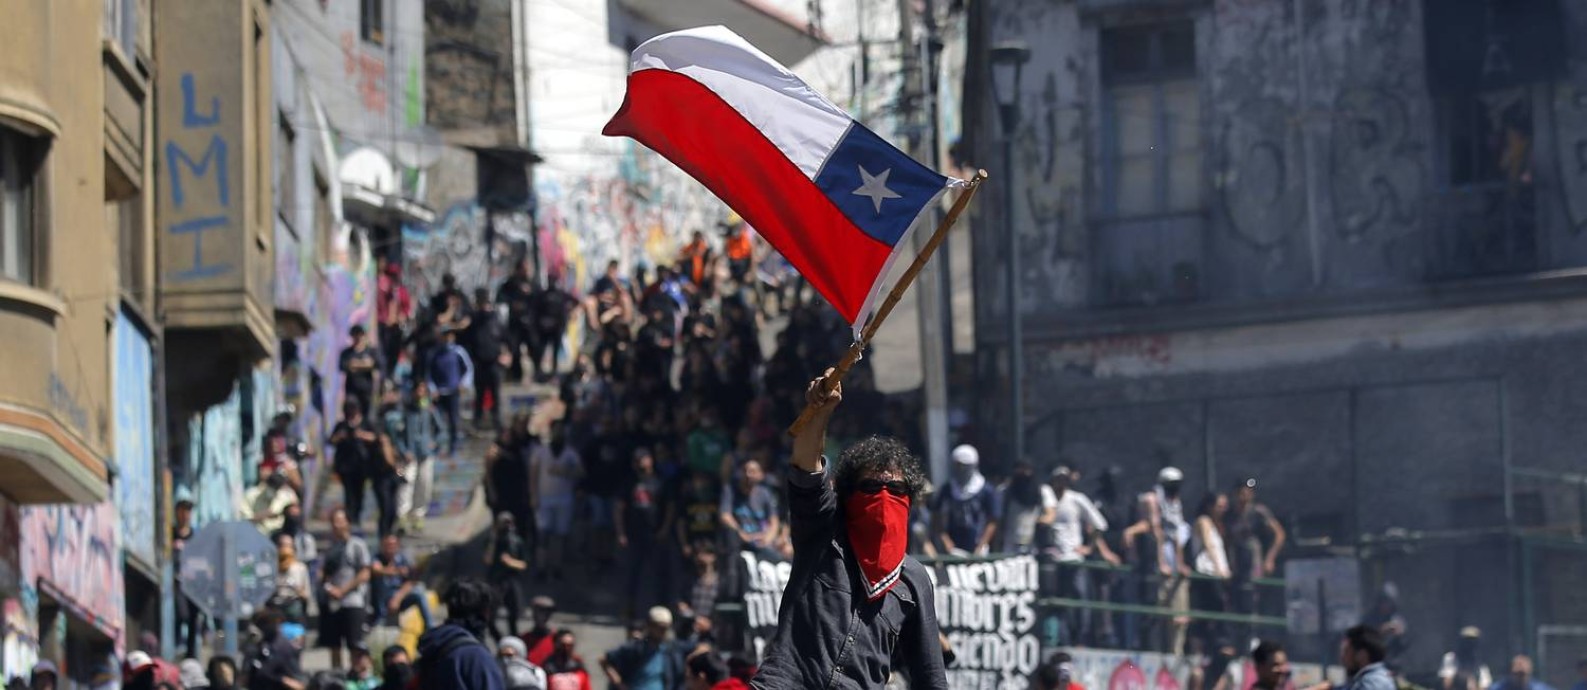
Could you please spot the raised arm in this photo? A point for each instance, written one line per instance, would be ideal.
(811, 501)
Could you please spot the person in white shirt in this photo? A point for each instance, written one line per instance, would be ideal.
(555, 470)
(1074, 525)
(1170, 531)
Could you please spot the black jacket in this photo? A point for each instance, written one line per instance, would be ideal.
(451, 658)
(828, 634)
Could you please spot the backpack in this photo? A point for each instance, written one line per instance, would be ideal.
(425, 670)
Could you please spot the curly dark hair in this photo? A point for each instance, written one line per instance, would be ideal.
(875, 455)
(470, 599)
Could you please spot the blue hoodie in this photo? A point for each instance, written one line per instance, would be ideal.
(467, 667)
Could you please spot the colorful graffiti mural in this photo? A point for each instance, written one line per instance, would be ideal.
(19, 642)
(72, 554)
(214, 460)
(134, 433)
(455, 244)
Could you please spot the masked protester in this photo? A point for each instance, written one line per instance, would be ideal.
(396, 668)
(857, 605)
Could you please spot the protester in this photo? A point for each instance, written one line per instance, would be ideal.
(1074, 523)
(357, 446)
(1386, 617)
(222, 673)
(274, 663)
(508, 474)
(647, 663)
(422, 425)
(749, 511)
(1170, 533)
(556, 470)
(396, 585)
(966, 513)
(484, 341)
(507, 560)
(541, 639)
(517, 671)
(565, 668)
(1361, 653)
(1255, 540)
(360, 367)
(518, 292)
(386, 466)
(874, 482)
(344, 574)
(265, 504)
(1520, 677)
(1210, 592)
(1464, 660)
(706, 585)
(293, 590)
(361, 675)
(1025, 505)
(1057, 674)
(1272, 666)
(451, 656)
(303, 541)
(394, 305)
(643, 521)
(451, 372)
(551, 324)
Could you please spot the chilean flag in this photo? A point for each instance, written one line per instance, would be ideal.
(832, 196)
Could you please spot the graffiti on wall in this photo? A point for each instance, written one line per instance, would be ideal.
(72, 553)
(19, 645)
(214, 460)
(368, 72)
(201, 205)
(134, 434)
(456, 244)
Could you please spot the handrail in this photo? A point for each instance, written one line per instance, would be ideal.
(1277, 583)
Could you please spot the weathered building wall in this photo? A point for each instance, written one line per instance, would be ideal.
(1324, 162)
(1343, 297)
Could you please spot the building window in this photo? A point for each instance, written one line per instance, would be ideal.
(126, 215)
(1490, 137)
(121, 25)
(286, 170)
(372, 21)
(1151, 121)
(21, 159)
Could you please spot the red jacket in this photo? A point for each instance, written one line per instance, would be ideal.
(730, 684)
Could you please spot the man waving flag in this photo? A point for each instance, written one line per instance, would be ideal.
(832, 196)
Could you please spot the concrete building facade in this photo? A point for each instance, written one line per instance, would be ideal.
(76, 333)
(1319, 243)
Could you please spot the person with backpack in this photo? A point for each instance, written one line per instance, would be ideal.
(451, 657)
(551, 322)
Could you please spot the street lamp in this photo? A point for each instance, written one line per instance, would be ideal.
(1008, 63)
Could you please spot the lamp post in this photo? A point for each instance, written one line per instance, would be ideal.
(1008, 62)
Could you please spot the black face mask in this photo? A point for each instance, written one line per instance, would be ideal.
(397, 676)
(291, 524)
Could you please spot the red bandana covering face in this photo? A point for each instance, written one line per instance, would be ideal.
(878, 535)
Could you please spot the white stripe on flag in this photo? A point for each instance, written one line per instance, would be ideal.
(801, 123)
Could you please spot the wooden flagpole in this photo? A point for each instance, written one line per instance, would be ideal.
(897, 293)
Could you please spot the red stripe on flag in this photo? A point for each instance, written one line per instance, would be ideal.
(691, 126)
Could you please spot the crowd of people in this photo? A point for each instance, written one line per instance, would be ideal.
(666, 461)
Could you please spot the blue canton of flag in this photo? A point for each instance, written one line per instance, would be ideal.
(877, 187)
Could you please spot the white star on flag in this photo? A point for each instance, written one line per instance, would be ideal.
(875, 187)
